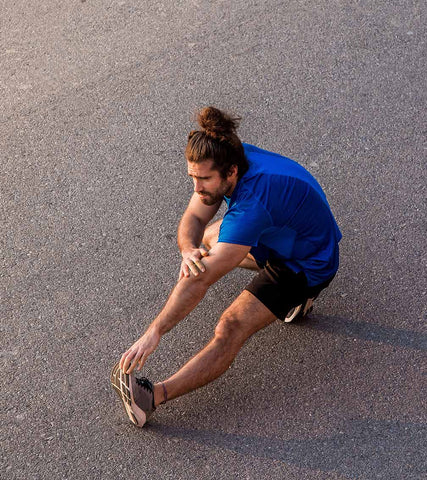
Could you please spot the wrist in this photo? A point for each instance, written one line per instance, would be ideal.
(187, 247)
(160, 326)
(155, 328)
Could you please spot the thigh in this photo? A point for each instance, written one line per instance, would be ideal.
(250, 263)
(250, 313)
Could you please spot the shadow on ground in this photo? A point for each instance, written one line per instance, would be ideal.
(361, 449)
(364, 449)
(366, 331)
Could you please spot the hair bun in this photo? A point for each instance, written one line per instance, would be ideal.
(217, 124)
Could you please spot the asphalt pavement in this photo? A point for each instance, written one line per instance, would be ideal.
(97, 99)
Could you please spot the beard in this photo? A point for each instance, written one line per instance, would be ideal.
(211, 198)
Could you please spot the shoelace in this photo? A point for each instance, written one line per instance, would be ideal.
(144, 383)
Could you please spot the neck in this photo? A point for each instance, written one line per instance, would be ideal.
(230, 191)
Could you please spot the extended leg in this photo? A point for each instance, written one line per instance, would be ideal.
(245, 316)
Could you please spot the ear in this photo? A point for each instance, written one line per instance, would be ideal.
(233, 171)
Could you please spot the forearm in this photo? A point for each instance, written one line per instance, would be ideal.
(190, 232)
(186, 295)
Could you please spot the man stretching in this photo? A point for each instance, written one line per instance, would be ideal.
(278, 223)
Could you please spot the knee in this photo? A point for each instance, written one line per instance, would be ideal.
(208, 239)
(229, 328)
(210, 236)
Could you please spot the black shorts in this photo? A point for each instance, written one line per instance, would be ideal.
(280, 289)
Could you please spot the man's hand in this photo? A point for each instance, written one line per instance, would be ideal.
(191, 262)
(139, 351)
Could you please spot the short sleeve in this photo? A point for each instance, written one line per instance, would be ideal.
(244, 222)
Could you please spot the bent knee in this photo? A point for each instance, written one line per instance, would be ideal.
(229, 327)
(210, 236)
(209, 239)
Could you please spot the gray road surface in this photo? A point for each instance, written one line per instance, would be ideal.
(96, 102)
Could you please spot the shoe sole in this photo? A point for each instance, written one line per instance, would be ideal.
(123, 387)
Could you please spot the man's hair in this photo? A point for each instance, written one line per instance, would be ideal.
(217, 141)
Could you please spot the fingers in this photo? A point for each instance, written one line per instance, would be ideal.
(195, 265)
(192, 263)
(137, 359)
(138, 353)
(123, 359)
(131, 360)
(191, 266)
(183, 271)
(200, 265)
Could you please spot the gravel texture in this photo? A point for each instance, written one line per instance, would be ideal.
(97, 100)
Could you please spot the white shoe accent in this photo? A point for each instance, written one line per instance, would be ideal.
(293, 313)
(296, 312)
(308, 306)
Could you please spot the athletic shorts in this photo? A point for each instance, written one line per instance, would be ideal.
(280, 289)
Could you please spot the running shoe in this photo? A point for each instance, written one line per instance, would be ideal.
(300, 311)
(137, 395)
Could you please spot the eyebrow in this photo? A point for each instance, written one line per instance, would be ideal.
(196, 176)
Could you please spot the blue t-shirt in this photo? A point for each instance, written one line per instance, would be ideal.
(280, 210)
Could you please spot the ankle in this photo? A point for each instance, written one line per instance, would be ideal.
(160, 394)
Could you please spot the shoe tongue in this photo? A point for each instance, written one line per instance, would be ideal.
(145, 383)
(143, 394)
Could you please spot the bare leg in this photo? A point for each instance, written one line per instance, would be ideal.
(245, 316)
(210, 238)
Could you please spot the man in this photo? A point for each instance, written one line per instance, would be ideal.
(278, 223)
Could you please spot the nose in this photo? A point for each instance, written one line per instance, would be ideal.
(197, 186)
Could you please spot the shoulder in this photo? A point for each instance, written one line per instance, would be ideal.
(246, 205)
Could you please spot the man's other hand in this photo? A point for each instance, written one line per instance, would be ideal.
(137, 354)
(191, 262)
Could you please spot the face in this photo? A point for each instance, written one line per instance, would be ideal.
(209, 184)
